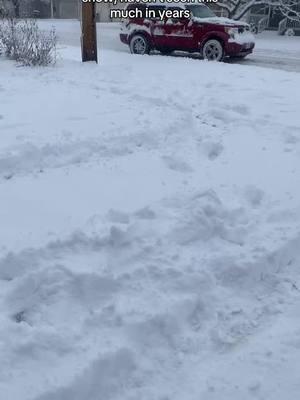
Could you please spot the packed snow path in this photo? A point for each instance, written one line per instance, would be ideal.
(149, 230)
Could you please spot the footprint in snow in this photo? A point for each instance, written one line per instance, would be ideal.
(118, 217)
(145, 213)
(212, 150)
(177, 165)
(254, 196)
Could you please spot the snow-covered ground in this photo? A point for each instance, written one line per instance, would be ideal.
(149, 228)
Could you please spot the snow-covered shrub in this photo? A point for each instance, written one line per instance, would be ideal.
(24, 42)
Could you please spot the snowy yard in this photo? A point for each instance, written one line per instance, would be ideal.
(149, 227)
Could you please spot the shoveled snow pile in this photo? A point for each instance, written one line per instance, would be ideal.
(149, 230)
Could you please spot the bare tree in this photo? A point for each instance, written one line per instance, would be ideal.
(291, 9)
(4, 11)
(10, 8)
(237, 9)
(20, 8)
(16, 6)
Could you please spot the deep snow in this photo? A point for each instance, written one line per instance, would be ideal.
(149, 231)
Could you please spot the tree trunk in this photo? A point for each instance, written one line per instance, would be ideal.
(16, 5)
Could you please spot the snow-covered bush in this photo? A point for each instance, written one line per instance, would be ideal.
(24, 42)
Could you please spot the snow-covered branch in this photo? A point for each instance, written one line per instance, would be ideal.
(290, 9)
(236, 9)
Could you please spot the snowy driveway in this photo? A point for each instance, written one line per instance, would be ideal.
(274, 51)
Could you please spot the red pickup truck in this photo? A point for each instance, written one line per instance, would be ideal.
(197, 30)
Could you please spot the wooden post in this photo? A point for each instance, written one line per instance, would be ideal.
(88, 32)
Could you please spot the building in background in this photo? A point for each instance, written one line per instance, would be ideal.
(72, 8)
(65, 8)
(42, 8)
